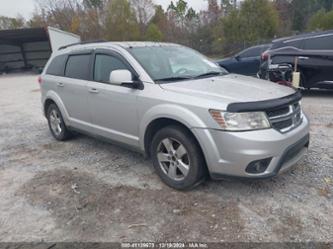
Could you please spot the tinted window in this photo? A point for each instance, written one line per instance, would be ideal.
(78, 66)
(104, 65)
(57, 66)
(319, 43)
(253, 52)
(295, 44)
(288, 43)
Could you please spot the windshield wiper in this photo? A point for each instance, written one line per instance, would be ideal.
(179, 78)
(212, 73)
(170, 79)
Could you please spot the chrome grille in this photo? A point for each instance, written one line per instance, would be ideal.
(285, 118)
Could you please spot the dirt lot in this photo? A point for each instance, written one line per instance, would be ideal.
(88, 190)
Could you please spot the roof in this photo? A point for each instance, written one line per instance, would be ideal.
(125, 44)
(19, 36)
(302, 36)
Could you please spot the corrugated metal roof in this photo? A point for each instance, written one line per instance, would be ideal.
(17, 36)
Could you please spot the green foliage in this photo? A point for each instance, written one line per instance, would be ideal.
(93, 3)
(191, 14)
(203, 40)
(180, 8)
(326, 4)
(153, 33)
(160, 18)
(11, 23)
(256, 20)
(227, 6)
(322, 20)
(301, 11)
(121, 23)
(223, 28)
(182, 12)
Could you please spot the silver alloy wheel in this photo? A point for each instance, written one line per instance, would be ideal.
(173, 159)
(55, 122)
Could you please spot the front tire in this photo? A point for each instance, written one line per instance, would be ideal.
(177, 158)
(56, 123)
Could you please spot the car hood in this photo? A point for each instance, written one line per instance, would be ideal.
(230, 88)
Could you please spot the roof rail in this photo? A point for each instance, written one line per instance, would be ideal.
(81, 43)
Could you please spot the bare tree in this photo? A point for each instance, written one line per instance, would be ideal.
(144, 10)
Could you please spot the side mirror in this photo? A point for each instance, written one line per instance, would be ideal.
(120, 77)
(237, 57)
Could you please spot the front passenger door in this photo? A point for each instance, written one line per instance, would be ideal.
(112, 107)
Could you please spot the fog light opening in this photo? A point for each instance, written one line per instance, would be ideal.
(258, 167)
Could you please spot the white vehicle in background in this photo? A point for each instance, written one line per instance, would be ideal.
(59, 38)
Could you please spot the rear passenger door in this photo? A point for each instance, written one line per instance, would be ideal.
(73, 88)
(317, 62)
(113, 108)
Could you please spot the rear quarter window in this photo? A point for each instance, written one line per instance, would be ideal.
(57, 66)
(295, 44)
(288, 43)
(319, 43)
(78, 66)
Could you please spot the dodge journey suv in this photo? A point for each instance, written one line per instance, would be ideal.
(171, 103)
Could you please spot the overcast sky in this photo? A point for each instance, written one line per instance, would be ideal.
(12, 8)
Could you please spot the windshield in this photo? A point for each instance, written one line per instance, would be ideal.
(174, 63)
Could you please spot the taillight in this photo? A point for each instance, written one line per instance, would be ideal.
(264, 56)
(39, 79)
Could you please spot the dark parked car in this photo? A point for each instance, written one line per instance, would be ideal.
(246, 62)
(314, 56)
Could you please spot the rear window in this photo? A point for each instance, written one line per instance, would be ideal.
(78, 66)
(319, 43)
(57, 66)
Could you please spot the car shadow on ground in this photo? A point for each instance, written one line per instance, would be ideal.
(130, 159)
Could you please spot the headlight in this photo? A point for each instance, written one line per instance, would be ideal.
(241, 121)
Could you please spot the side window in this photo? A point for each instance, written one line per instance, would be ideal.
(295, 44)
(319, 43)
(104, 65)
(78, 66)
(57, 66)
(251, 52)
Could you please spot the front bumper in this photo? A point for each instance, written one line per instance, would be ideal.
(228, 154)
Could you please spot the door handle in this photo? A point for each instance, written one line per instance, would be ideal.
(303, 58)
(93, 90)
(60, 84)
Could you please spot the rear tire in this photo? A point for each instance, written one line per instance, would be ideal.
(177, 158)
(56, 123)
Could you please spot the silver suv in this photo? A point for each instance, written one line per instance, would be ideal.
(176, 106)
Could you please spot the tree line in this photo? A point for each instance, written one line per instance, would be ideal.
(225, 27)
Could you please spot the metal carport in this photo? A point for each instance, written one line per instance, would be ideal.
(24, 49)
(30, 49)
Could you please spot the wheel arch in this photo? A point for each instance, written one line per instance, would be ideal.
(167, 114)
(51, 98)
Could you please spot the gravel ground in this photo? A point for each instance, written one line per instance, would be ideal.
(88, 190)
